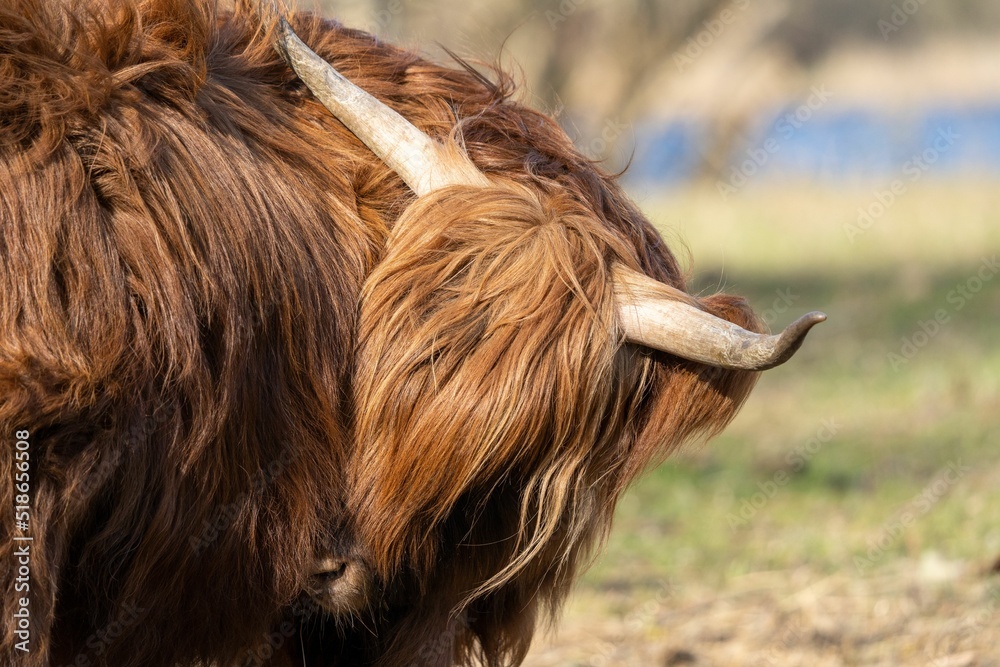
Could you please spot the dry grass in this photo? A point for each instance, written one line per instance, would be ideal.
(929, 613)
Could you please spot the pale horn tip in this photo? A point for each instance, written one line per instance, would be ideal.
(791, 339)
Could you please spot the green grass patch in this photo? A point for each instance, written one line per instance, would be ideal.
(831, 448)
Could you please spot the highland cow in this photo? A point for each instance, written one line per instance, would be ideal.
(291, 387)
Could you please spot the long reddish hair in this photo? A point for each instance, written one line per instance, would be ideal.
(237, 340)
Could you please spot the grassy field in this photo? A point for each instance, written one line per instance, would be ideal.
(851, 513)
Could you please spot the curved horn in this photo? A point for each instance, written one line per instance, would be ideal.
(663, 318)
(424, 164)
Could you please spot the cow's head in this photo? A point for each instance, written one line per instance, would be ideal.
(520, 360)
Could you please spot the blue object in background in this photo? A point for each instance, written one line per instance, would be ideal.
(843, 146)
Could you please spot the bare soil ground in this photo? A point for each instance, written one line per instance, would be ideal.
(933, 613)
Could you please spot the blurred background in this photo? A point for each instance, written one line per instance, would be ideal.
(678, 89)
(840, 155)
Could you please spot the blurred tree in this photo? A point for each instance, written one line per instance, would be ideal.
(597, 63)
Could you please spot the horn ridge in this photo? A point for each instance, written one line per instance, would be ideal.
(664, 318)
(424, 164)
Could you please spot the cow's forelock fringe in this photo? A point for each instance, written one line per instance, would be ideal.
(498, 419)
(487, 358)
(236, 340)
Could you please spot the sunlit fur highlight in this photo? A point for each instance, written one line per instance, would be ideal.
(498, 415)
(203, 275)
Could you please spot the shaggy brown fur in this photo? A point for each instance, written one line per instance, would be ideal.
(238, 342)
